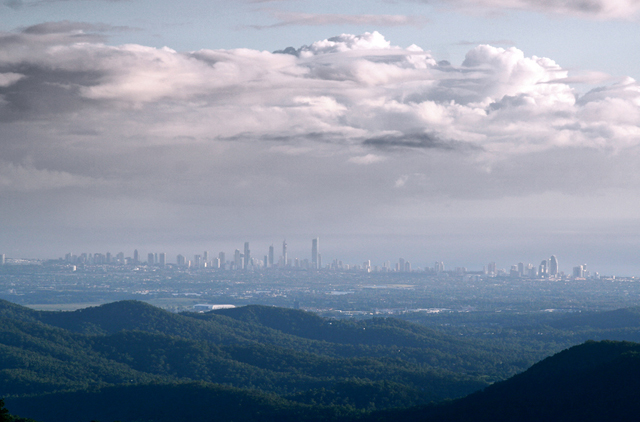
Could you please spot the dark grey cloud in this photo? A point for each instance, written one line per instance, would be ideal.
(71, 28)
(43, 93)
(14, 4)
(418, 140)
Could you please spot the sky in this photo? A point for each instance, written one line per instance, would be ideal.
(462, 131)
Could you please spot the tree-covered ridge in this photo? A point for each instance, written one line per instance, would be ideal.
(133, 343)
(179, 402)
(284, 362)
(594, 381)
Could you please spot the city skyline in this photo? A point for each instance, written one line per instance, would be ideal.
(243, 261)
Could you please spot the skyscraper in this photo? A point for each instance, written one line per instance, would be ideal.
(491, 268)
(553, 266)
(544, 269)
(247, 255)
(284, 253)
(150, 260)
(162, 259)
(135, 257)
(271, 256)
(222, 260)
(2, 259)
(314, 252)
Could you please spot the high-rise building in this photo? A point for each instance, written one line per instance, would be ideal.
(150, 260)
(181, 260)
(136, 257)
(222, 260)
(491, 268)
(579, 271)
(544, 269)
(270, 256)
(247, 256)
(314, 252)
(439, 267)
(237, 259)
(162, 259)
(553, 266)
(400, 265)
(284, 253)
(2, 259)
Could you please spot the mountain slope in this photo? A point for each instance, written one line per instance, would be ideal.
(132, 342)
(594, 381)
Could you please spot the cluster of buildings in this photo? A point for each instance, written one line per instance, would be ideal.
(243, 260)
(240, 260)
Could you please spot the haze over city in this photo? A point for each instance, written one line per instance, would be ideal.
(463, 131)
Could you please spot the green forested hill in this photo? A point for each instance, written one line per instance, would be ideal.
(132, 343)
(594, 381)
(264, 363)
(184, 402)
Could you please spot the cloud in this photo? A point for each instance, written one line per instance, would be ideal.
(598, 9)
(26, 178)
(367, 159)
(7, 79)
(335, 127)
(416, 140)
(315, 19)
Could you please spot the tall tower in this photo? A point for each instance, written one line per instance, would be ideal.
(284, 253)
(314, 252)
(222, 259)
(270, 262)
(162, 259)
(247, 255)
(553, 266)
(136, 257)
(2, 259)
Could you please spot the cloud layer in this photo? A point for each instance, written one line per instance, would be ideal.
(351, 128)
(599, 9)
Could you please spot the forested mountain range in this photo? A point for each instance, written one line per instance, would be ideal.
(282, 364)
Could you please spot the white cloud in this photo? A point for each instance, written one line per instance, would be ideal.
(311, 19)
(599, 9)
(103, 105)
(27, 178)
(367, 159)
(10, 78)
